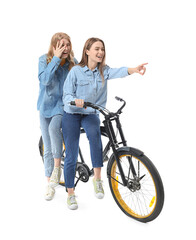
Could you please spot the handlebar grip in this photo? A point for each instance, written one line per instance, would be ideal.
(73, 103)
(84, 106)
(119, 99)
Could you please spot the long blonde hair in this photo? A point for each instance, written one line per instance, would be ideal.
(84, 60)
(55, 38)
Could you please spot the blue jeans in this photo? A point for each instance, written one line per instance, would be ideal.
(71, 124)
(52, 139)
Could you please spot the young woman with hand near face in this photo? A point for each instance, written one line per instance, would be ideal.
(53, 69)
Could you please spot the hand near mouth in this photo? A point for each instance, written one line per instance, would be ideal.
(58, 51)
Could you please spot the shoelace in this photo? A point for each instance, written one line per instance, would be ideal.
(50, 190)
(55, 172)
(99, 186)
(72, 199)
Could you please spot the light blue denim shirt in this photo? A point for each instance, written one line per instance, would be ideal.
(51, 80)
(82, 83)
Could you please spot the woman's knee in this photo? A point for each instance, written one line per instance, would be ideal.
(93, 133)
(55, 125)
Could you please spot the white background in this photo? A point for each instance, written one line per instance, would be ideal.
(159, 117)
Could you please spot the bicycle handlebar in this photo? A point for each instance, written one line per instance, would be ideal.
(94, 106)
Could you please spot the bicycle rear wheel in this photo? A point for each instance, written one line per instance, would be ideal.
(81, 167)
(143, 197)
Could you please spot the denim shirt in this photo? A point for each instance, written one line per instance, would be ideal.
(51, 80)
(82, 83)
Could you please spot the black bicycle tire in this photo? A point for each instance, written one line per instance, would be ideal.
(41, 148)
(156, 178)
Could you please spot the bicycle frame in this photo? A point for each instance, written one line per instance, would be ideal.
(108, 130)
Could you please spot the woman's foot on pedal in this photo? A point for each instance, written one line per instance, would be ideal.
(71, 202)
(98, 188)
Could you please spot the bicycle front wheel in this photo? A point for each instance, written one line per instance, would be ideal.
(143, 197)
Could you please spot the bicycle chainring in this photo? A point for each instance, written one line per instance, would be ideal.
(83, 171)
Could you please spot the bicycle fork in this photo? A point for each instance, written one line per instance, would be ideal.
(115, 146)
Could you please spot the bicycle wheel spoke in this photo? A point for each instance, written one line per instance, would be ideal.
(135, 198)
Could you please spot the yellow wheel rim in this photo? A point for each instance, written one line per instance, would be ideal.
(141, 203)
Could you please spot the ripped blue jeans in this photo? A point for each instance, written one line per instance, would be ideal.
(52, 139)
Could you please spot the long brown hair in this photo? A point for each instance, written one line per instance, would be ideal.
(55, 38)
(84, 60)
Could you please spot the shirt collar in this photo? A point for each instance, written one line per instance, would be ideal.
(85, 69)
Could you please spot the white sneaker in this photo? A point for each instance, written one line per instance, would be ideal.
(55, 177)
(71, 202)
(98, 188)
(49, 193)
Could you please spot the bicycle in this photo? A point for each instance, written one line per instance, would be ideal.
(134, 181)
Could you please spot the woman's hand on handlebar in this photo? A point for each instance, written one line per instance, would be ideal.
(79, 103)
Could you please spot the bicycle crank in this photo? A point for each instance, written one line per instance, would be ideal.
(83, 172)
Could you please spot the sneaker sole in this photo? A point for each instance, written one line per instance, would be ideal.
(99, 195)
(48, 198)
(73, 206)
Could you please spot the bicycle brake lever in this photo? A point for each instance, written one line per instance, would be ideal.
(85, 106)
